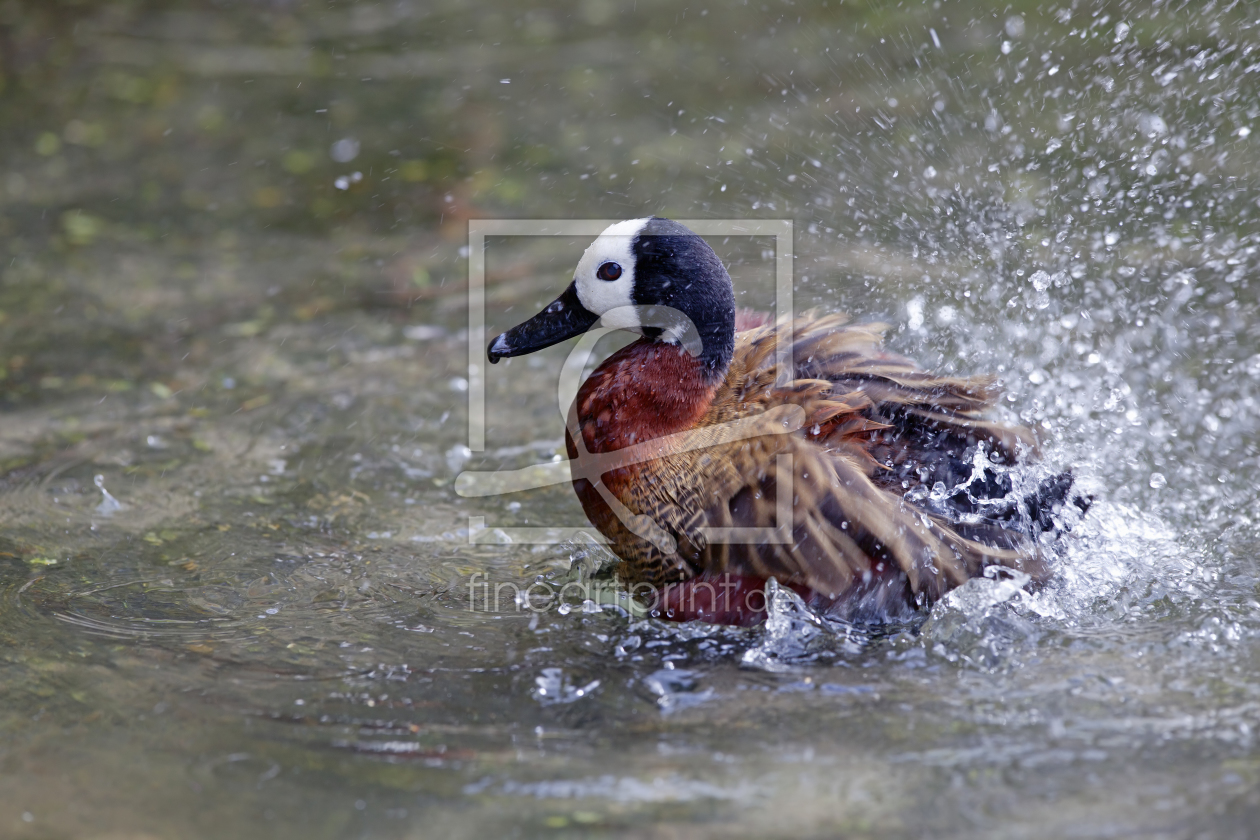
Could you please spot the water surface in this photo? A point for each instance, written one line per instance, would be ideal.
(234, 573)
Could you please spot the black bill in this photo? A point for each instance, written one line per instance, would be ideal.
(564, 318)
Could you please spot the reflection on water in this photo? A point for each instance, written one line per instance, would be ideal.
(234, 573)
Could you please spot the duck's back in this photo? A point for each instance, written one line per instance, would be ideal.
(892, 479)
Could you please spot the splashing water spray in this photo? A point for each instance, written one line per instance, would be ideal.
(109, 505)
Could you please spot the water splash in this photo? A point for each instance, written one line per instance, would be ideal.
(795, 637)
(676, 688)
(975, 624)
(109, 505)
(554, 686)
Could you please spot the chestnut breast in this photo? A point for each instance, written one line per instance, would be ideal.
(644, 391)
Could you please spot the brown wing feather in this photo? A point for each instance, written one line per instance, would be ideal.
(867, 410)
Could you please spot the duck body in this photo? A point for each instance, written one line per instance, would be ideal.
(866, 484)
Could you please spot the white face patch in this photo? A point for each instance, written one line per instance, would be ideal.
(603, 296)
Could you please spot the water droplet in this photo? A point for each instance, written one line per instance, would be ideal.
(109, 505)
(914, 312)
(456, 456)
(344, 150)
(553, 686)
(1152, 125)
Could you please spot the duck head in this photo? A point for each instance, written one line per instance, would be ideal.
(651, 276)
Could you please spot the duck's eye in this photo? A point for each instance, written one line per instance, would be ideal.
(609, 271)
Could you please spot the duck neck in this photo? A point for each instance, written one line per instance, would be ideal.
(644, 391)
(718, 345)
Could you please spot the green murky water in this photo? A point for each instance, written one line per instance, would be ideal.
(233, 294)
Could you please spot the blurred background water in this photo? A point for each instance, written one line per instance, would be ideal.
(233, 399)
